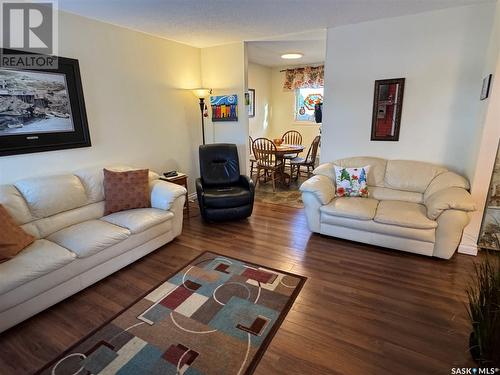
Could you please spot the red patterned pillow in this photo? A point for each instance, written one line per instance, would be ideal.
(13, 238)
(126, 190)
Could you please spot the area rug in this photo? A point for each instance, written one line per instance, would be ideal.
(216, 315)
(289, 196)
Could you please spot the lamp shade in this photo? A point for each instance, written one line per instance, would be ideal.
(202, 93)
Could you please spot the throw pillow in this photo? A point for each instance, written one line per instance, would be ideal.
(13, 239)
(351, 182)
(126, 190)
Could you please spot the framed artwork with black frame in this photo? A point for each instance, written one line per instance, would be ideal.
(387, 108)
(251, 102)
(42, 109)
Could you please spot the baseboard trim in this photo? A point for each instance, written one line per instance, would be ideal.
(468, 249)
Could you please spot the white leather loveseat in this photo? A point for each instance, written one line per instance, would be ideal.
(412, 206)
(76, 244)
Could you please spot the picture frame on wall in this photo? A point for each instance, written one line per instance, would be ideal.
(42, 109)
(251, 102)
(387, 109)
(224, 107)
(485, 90)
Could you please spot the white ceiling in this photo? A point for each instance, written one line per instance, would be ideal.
(268, 52)
(204, 23)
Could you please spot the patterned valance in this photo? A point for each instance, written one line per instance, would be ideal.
(307, 77)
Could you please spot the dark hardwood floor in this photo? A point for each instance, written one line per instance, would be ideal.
(363, 310)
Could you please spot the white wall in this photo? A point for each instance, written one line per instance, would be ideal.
(259, 78)
(223, 69)
(487, 141)
(138, 110)
(440, 54)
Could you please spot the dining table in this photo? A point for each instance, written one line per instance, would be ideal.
(285, 149)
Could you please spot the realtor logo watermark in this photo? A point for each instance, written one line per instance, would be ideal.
(29, 27)
(475, 371)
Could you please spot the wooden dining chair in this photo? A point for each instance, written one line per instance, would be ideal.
(310, 160)
(251, 157)
(291, 137)
(264, 151)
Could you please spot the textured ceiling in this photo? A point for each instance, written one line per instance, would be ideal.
(204, 23)
(268, 52)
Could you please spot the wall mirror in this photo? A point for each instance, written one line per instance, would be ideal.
(387, 105)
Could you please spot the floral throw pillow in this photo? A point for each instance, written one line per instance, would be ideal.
(351, 182)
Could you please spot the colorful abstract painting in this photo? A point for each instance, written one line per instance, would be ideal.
(224, 107)
(215, 316)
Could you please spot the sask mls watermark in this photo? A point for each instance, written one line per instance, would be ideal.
(28, 34)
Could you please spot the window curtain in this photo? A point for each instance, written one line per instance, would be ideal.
(302, 78)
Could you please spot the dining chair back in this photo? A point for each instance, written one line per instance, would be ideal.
(312, 154)
(292, 137)
(309, 162)
(251, 155)
(265, 153)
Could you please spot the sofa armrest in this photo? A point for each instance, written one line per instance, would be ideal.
(321, 186)
(452, 198)
(247, 182)
(164, 193)
(444, 181)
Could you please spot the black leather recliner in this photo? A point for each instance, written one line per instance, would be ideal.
(223, 194)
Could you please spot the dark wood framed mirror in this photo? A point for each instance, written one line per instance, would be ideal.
(387, 107)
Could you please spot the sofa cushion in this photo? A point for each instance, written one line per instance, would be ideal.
(426, 235)
(352, 207)
(139, 219)
(50, 195)
(90, 237)
(38, 259)
(14, 202)
(387, 194)
(48, 225)
(404, 214)
(126, 190)
(410, 175)
(227, 197)
(13, 239)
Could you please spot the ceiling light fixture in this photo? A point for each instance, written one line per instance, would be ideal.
(291, 56)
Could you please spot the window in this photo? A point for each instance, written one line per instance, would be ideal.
(304, 103)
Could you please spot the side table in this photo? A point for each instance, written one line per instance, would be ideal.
(180, 179)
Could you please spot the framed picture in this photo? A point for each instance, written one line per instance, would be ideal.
(387, 108)
(42, 109)
(224, 107)
(485, 91)
(251, 102)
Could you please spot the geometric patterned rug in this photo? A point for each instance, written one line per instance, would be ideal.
(216, 315)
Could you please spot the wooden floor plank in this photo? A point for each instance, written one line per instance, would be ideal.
(363, 310)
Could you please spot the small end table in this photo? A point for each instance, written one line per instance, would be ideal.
(180, 179)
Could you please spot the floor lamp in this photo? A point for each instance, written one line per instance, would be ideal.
(202, 94)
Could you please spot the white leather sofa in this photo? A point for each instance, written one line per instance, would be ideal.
(412, 206)
(76, 244)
